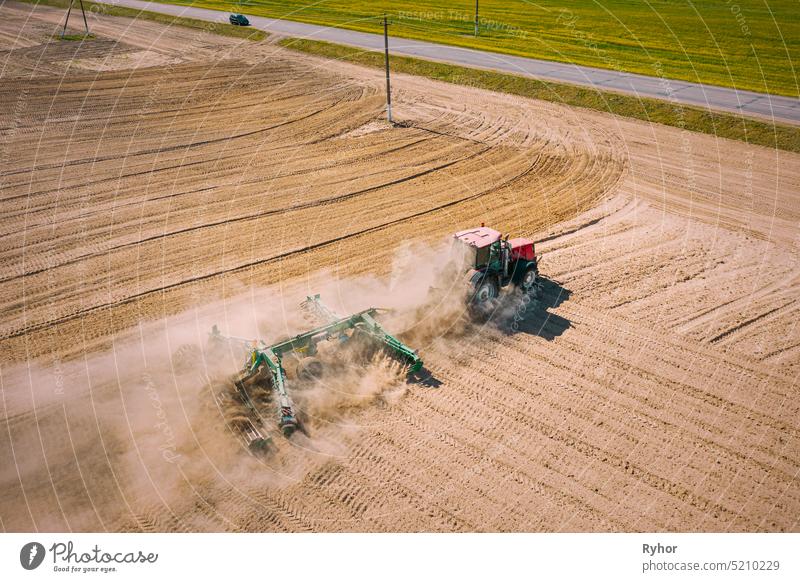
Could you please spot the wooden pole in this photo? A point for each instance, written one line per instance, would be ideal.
(66, 20)
(388, 83)
(85, 24)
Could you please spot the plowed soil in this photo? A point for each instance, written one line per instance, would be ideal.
(156, 180)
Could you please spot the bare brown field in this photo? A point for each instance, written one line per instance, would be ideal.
(157, 180)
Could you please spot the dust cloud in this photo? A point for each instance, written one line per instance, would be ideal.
(93, 442)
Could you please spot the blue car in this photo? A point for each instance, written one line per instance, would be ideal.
(239, 20)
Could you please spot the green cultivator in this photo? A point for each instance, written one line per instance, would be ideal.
(265, 362)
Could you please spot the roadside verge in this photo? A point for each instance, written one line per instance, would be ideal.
(726, 125)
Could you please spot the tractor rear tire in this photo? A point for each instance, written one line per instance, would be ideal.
(528, 283)
(484, 300)
(309, 369)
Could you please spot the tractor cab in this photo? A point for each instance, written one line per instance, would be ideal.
(483, 244)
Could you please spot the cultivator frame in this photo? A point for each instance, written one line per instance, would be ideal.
(263, 358)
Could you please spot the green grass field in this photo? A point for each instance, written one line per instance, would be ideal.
(654, 110)
(746, 44)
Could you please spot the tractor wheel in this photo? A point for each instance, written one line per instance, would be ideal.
(527, 283)
(486, 292)
(309, 369)
(484, 300)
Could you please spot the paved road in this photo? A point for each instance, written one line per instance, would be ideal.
(781, 109)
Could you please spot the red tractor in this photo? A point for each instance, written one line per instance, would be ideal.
(496, 262)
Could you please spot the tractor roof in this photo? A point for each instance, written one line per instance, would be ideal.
(478, 237)
(519, 242)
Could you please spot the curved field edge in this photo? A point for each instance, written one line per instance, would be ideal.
(724, 125)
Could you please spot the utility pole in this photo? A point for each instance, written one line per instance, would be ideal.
(388, 84)
(476, 17)
(66, 20)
